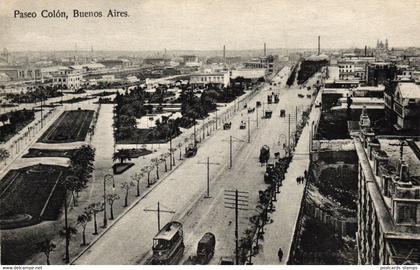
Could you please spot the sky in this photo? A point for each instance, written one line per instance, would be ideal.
(209, 24)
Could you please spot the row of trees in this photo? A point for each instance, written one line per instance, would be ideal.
(37, 93)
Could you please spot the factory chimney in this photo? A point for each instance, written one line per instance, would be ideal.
(365, 50)
(265, 49)
(319, 45)
(224, 53)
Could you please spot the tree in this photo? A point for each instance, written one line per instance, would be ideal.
(111, 198)
(156, 162)
(163, 159)
(82, 220)
(94, 209)
(4, 155)
(126, 186)
(122, 155)
(137, 178)
(47, 246)
(179, 145)
(67, 234)
(148, 170)
(73, 185)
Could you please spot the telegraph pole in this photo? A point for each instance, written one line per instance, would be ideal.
(216, 116)
(158, 211)
(170, 151)
(289, 133)
(230, 153)
(208, 163)
(249, 130)
(257, 115)
(237, 200)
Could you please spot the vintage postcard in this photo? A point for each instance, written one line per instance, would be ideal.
(209, 132)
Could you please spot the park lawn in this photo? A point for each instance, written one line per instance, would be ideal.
(33, 152)
(26, 191)
(4, 137)
(71, 126)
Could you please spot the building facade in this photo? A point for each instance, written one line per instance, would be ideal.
(202, 79)
(388, 203)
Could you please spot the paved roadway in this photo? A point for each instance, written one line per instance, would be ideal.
(183, 190)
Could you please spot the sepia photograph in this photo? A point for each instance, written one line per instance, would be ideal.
(209, 132)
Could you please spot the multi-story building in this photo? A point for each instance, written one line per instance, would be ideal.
(389, 200)
(21, 72)
(380, 72)
(202, 79)
(266, 62)
(68, 78)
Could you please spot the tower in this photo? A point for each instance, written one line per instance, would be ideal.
(386, 44)
(265, 49)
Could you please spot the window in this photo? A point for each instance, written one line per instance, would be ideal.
(406, 213)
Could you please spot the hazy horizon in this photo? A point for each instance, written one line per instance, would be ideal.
(207, 25)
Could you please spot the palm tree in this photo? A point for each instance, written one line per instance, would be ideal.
(156, 162)
(73, 185)
(110, 199)
(47, 246)
(4, 155)
(148, 170)
(94, 209)
(82, 220)
(137, 178)
(67, 234)
(126, 187)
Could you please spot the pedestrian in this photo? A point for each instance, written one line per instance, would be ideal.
(280, 254)
(306, 174)
(297, 180)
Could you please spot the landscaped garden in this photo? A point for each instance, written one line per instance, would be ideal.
(71, 126)
(29, 190)
(13, 122)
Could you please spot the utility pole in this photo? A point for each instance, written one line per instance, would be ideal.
(170, 151)
(216, 116)
(237, 200)
(204, 135)
(230, 153)
(208, 163)
(249, 130)
(257, 115)
(158, 211)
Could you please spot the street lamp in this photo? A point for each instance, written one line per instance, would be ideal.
(107, 177)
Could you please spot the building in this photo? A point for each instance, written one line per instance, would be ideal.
(157, 61)
(389, 200)
(402, 105)
(21, 72)
(380, 72)
(116, 63)
(202, 79)
(66, 77)
(265, 62)
(248, 73)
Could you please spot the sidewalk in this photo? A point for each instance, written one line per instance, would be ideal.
(279, 234)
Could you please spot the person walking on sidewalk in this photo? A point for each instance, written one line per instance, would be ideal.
(280, 254)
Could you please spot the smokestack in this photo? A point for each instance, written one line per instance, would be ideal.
(365, 50)
(319, 45)
(265, 49)
(224, 53)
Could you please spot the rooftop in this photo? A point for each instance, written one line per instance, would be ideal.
(409, 90)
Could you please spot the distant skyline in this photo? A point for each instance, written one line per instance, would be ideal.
(153, 25)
